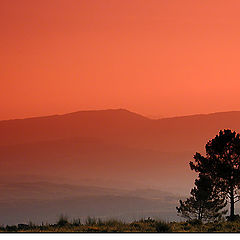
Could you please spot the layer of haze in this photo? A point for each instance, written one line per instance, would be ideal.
(158, 58)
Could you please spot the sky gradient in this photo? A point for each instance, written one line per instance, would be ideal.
(155, 57)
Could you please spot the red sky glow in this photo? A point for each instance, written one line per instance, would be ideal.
(155, 57)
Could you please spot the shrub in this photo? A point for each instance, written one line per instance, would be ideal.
(62, 221)
(235, 218)
(162, 227)
(195, 222)
(11, 228)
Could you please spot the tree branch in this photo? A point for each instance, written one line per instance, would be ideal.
(237, 200)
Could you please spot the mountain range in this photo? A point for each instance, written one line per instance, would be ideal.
(107, 149)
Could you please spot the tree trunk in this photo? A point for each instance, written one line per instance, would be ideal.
(231, 204)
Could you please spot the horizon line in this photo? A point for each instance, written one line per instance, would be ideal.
(120, 109)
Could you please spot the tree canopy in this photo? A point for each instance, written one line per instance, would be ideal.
(222, 165)
(204, 202)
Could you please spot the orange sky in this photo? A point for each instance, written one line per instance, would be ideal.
(155, 57)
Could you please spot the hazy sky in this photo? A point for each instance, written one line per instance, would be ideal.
(155, 57)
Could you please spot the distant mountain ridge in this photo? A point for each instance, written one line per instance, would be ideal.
(109, 143)
(127, 126)
(122, 111)
(108, 112)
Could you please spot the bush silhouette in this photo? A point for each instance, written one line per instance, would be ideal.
(62, 221)
(162, 227)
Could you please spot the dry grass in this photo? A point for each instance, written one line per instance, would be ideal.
(92, 225)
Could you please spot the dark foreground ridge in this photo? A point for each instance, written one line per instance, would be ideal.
(149, 225)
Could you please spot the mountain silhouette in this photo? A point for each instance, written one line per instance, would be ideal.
(110, 145)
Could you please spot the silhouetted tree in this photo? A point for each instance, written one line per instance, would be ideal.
(222, 165)
(204, 203)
